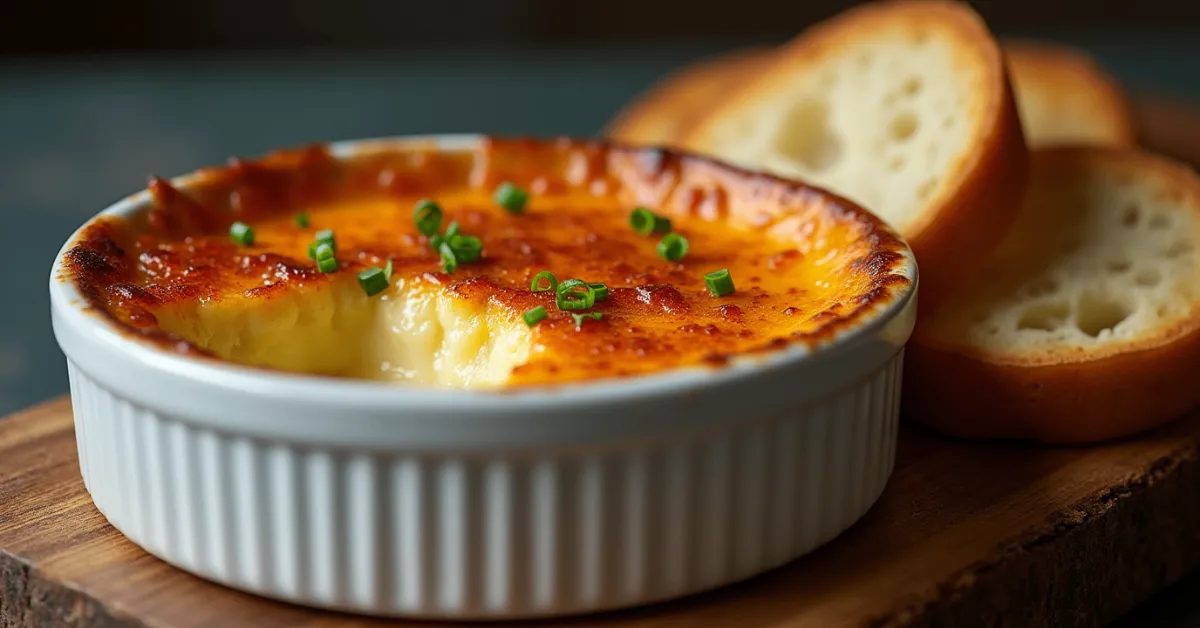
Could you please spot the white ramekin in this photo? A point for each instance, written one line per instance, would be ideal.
(378, 499)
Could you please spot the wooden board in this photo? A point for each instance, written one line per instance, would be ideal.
(965, 534)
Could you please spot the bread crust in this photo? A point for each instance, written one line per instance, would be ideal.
(1067, 396)
(1066, 81)
(664, 113)
(967, 220)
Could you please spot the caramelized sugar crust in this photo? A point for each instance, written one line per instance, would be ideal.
(806, 264)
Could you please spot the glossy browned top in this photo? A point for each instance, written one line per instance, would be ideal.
(806, 264)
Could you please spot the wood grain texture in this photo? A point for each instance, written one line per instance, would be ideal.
(965, 534)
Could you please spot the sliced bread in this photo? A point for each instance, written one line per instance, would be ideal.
(1087, 326)
(902, 106)
(661, 114)
(1065, 97)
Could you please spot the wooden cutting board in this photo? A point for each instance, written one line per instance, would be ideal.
(966, 534)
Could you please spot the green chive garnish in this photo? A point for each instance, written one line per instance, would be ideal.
(467, 249)
(672, 247)
(327, 264)
(436, 241)
(326, 235)
(323, 250)
(428, 217)
(535, 316)
(569, 297)
(302, 221)
(551, 282)
(646, 222)
(579, 318)
(373, 281)
(241, 233)
(449, 261)
(719, 282)
(601, 291)
(387, 270)
(511, 197)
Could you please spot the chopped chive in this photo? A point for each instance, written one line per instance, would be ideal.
(467, 249)
(719, 282)
(327, 264)
(387, 270)
(579, 318)
(536, 315)
(428, 216)
(241, 233)
(551, 282)
(317, 250)
(449, 261)
(672, 247)
(569, 298)
(511, 197)
(302, 221)
(436, 240)
(601, 291)
(373, 281)
(326, 235)
(646, 222)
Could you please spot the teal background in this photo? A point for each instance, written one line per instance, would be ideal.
(78, 134)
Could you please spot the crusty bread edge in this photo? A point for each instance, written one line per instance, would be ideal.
(664, 98)
(952, 241)
(1045, 56)
(970, 394)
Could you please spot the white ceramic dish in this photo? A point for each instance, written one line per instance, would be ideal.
(371, 498)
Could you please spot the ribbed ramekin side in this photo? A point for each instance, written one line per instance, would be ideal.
(495, 533)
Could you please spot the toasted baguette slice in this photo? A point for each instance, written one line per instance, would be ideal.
(1087, 326)
(904, 107)
(1065, 97)
(661, 114)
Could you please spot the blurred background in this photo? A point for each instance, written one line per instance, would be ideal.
(96, 96)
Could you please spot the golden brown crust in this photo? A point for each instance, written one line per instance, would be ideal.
(664, 113)
(806, 264)
(1069, 395)
(979, 201)
(1068, 96)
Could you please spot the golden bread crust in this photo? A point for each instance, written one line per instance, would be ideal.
(664, 113)
(1067, 394)
(1066, 97)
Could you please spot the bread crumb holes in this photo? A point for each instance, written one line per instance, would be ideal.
(912, 86)
(1131, 216)
(1042, 286)
(1097, 313)
(903, 126)
(925, 190)
(805, 136)
(1044, 316)
(1148, 277)
(1179, 249)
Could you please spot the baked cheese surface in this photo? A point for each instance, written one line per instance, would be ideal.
(805, 264)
